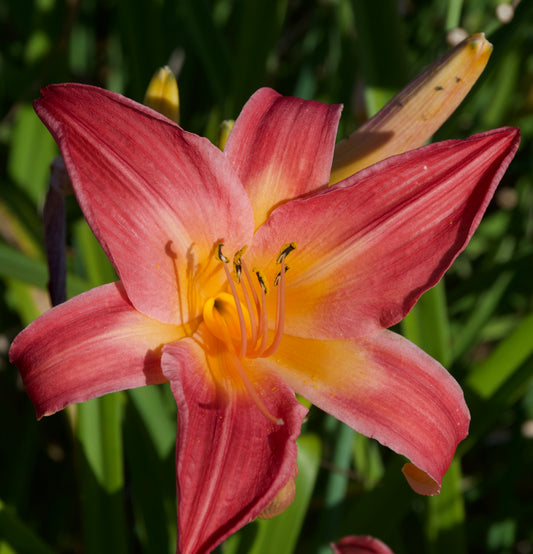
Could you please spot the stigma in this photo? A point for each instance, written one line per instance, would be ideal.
(238, 316)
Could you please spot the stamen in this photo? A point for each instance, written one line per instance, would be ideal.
(276, 280)
(255, 315)
(251, 312)
(237, 263)
(263, 319)
(242, 325)
(279, 281)
(220, 316)
(251, 285)
(261, 279)
(280, 314)
(220, 257)
(285, 251)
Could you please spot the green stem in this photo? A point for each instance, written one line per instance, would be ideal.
(427, 324)
(453, 14)
(489, 376)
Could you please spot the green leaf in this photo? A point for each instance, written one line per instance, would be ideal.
(446, 515)
(260, 26)
(482, 312)
(210, 45)
(488, 376)
(29, 302)
(158, 416)
(32, 150)
(14, 265)
(101, 473)
(380, 511)
(150, 435)
(91, 259)
(337, 484)
(21, 224)
(17, 537)
(367, 461)
(427, 324)
(380, 33)
(17, 266)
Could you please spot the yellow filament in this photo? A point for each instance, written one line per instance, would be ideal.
(280, 315)
(263, 326)
(244, 340)
(251, 311)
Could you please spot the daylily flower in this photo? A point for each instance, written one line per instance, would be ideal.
(202, 241)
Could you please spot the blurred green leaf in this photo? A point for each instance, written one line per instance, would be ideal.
(381, 38)
(158, 414)
(29, 302)
(32, 149)
(17, 537)
(482, 312)
(381, 510)
(427, 324)
(90, 258)
(259, 27)
(488, 376)
(150, 435)
(14, 265)
(99, 434)
(446, 515)
(337, 483)
(367, 461)
(211, 46)
(21, 224)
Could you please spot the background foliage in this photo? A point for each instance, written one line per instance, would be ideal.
(99, 477)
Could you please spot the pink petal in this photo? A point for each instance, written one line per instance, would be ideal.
(360, 544)
(384, 387)
(371, 245)
(91, 345)
(282, 147)
(231, 460)
(156, 197)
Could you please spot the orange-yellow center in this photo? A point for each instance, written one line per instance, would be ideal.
(239, 318)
